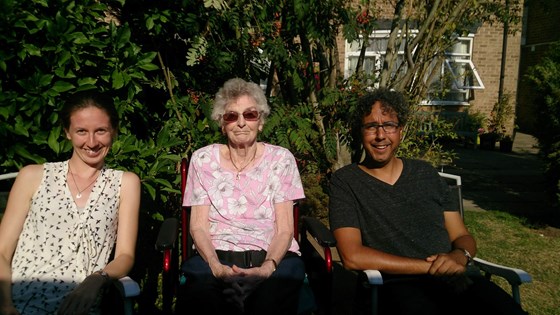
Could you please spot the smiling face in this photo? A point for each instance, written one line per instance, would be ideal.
(242, 132)
(380, 145)
(91, 134)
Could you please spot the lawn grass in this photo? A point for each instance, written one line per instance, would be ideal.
(509, 240)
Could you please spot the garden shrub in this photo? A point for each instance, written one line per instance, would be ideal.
(546, 79)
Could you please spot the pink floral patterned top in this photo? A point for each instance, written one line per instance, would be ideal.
(242, 210)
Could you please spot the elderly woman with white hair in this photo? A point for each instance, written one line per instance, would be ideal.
(241, 195)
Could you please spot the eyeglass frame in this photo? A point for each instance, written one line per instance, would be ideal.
(367, 127)
(251, 111)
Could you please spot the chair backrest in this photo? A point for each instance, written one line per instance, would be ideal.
(4, 191)
(186, 241)
(455, 185)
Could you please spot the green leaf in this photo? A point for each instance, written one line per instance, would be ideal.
(149, 67)
(21, 151)
(45, 79)
(151, 190)
(123, 36)
(87, 81)
(62, 86)
(78, 38)
(117, 79)
(53, 142)
(21, 127)
(157, 216)
(63, 57)
(149, 23)
(197, 51)
(163, 182)
(32, 50)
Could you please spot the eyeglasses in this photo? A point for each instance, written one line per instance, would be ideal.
(250, 115)
(388, 127)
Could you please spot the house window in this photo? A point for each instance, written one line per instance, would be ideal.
(375, 52)
(457, 77)
(453, 85)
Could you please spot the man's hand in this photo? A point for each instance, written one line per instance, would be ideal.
(448, 264)
(82, 298)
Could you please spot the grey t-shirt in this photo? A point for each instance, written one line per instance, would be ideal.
(404, 219)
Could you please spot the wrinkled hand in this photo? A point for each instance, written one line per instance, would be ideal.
(222, 271)
(226, 274)
(446, 264)
(243, 283)
(8, 310)
(82, 298)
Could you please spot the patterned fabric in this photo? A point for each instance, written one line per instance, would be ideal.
(242, 210)
(61, 244)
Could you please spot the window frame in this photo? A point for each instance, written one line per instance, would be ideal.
(463, 55)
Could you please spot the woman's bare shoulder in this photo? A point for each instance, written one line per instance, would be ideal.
(131, 177)
(32, 172)
(28, 180)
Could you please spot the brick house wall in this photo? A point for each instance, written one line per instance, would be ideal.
(487, 57)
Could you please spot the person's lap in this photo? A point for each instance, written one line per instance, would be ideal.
(202, 293)
(430, 295)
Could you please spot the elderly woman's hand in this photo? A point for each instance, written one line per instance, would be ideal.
(245, 282)
(221, 271)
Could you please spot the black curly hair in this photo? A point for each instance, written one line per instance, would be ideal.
(391, 101)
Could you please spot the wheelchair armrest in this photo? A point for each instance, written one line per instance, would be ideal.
(318, 231)
(512, 275)
(167, 236)
(131, 287)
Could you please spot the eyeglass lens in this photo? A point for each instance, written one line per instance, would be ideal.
(250, 115)
(388, 127)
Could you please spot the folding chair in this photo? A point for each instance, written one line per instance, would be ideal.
(130, 288)
(176, 245)
(515, 277)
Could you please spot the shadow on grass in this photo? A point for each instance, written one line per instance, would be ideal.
(510, 182)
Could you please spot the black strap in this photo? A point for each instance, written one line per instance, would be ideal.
(246, 259)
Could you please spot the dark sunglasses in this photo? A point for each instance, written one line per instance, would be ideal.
(250, 115)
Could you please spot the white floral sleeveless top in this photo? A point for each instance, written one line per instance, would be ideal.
(61, 244)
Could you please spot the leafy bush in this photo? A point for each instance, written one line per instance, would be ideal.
(546, 79)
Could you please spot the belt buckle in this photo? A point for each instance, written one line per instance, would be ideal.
(248, 259)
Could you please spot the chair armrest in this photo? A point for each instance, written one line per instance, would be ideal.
(8, 175)
(167, 236)
(318, 231)
(131, 287)
(512, 275)
(374, 276)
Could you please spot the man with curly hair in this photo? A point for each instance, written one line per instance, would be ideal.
(396, 215)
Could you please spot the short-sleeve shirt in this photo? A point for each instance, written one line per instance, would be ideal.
(404, 219)
(242, 215)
